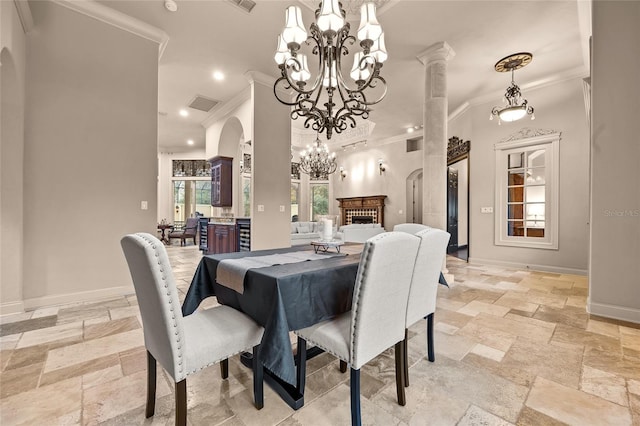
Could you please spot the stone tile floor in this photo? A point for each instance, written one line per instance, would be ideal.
(512, 347)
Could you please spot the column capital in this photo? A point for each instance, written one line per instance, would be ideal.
(440, 51)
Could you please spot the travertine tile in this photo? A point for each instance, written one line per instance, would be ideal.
(560, 364)
(452, 318)
(516, 326)
(454, 347)
(10, 318)
(333, 408)
(445, 328)
(605, 385)
(568, 315)
(78, 369)
(115, 397)
(93, 349)
(574, 407)
(493, 338)
(488, 352)
(475, 307)
(611, 362)
(59, 403)
(110, 328)
(47, 335)
(634, 386)
(605, 328)
(18, 380)
(27, 356)
(27, 325)
(9, 342)
(101, 376)
(530, 417)
(568, 334)
(516, 303)
(45, 312)
(477, 416)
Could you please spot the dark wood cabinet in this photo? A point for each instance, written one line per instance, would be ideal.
(222, 238)
(221, 181)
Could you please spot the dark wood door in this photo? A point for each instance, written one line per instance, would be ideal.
(452, 208)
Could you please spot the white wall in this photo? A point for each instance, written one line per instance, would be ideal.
(363, 176)
(12, 94)
(90, 153)
(614, 269)
(271, 174)
(559, 107)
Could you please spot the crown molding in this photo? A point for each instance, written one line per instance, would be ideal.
(117, 19)
(225, 108)
(24, 13)
(459, 111)
(259, 77)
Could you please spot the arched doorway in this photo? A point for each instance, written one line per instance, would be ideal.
(414, 197)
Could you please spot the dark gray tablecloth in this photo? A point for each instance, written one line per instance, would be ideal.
(281, 298)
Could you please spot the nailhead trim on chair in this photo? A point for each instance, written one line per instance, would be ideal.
(169, 300)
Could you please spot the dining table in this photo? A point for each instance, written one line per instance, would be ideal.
(282, 290)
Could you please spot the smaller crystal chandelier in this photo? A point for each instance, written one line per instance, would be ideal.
(317, 162)
(516, 107)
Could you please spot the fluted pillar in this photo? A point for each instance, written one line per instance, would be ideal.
(434, 151)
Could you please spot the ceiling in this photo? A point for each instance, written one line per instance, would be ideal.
(208, 36)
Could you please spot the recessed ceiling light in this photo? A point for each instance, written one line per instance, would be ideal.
(218, 75)
(190, 142)
(184, 113)
(410, 130)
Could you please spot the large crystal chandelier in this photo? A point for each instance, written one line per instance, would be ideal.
(515, 106)
(329, 40)
(317, 162)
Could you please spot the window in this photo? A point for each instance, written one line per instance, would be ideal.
(295, 201)
(319, 199)
(527, 191)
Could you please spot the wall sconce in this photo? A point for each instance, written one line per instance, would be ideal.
(343, 173)
(381, 166)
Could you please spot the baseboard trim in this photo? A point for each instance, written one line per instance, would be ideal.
(528, 266)
(11, 308)
(613, 311)
(81, 296)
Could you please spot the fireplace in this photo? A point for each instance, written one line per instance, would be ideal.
(368, 209)
(361, 219)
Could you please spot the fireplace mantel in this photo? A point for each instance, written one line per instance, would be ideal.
(372, 205)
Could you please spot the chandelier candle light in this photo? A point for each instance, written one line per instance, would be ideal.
(329, 41)
(516, 107)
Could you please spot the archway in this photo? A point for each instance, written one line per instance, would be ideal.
(232, 144)
(414, 197)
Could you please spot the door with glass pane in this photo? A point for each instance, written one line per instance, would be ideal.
(319, 199)
(189, 197)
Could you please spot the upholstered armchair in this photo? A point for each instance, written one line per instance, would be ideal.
(410, 228)
(190, 231)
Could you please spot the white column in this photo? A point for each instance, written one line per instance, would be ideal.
(434, 160)
(434, 190)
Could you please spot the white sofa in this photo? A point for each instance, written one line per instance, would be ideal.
(304, 233)
(359, 232)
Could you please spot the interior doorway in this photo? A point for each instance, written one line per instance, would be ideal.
(458, 197)
(414, 197)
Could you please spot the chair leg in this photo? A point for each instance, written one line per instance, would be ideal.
(405, 343)
(224, 368)
(301, 363)
(151, 385)
(258, 379)
(181, 403)
(431, 352)
(354, 384)
(400, 372)
(343, 366)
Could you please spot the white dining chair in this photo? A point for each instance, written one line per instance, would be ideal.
(183, 345)
(410, 228)
(377, 317)
(424, 286)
